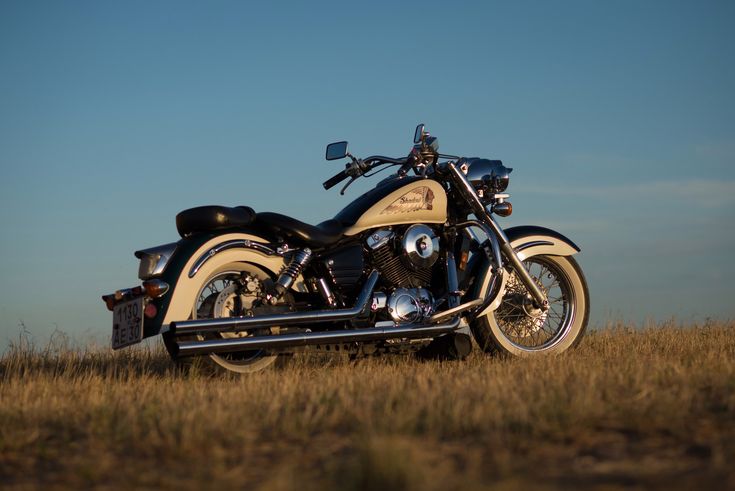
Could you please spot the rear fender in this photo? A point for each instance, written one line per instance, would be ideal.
(527, 241)
(194, 262)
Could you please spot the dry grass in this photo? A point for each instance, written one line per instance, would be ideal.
(629, 408)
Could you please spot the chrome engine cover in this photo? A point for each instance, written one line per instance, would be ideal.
(420, 247)
(399, 258)
(410, 305)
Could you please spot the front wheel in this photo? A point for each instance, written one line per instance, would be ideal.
(517, 328)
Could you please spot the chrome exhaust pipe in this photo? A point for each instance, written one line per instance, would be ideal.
(291, 319)
(228, 345)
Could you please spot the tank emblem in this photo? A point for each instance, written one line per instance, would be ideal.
(421, 198)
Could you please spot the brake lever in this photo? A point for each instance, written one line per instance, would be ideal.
(342, 192)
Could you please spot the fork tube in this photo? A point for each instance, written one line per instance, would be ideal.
(465, 188)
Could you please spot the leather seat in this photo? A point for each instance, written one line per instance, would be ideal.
(315, 236)
(208, 218)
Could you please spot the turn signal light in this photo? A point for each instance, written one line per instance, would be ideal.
(463, 258)
(503, 209)
(155, 288)
(109, 301)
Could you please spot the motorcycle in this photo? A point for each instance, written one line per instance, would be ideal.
(417, 264)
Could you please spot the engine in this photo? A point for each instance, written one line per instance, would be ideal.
(405, 262)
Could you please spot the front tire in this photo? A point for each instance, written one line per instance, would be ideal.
(517, 328)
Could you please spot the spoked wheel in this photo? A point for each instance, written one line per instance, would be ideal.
(225, 295)
(517, 327)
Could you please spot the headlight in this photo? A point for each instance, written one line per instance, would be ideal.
(488, 176)
(154, 260)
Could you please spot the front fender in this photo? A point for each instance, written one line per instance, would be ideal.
(527, 241)
(195, 260)
(530, 240)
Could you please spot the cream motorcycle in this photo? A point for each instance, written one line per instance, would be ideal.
(417, 264)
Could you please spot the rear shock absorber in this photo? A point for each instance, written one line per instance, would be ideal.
(290, 272)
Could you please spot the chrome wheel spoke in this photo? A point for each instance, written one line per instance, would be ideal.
(526, 326)
(221, 298)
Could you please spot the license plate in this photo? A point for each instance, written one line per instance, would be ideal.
(127, 323)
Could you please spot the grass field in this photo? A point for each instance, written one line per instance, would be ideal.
(650, 408)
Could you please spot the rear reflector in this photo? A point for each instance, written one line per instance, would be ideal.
(150, 311)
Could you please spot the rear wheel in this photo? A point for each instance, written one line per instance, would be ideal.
(224, 294)
(516, 327)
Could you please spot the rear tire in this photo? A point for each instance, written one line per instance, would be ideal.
(516, 328)
(218, 298)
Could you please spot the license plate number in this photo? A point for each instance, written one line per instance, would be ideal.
(127, 323)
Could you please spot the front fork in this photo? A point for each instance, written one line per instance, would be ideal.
(465, 188)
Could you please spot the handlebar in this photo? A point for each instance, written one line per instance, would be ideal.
(361, 167)
(423, 158)
(336, 179)
(380, 159)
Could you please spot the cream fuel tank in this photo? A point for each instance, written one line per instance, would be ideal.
(396, 201)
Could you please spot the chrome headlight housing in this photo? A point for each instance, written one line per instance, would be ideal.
(487, 176)
(154, 260)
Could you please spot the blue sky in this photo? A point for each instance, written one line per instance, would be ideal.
(618, 118)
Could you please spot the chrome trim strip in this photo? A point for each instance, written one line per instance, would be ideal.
(190, 348)
(295, 318)
(533, 244)
(231, 244)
